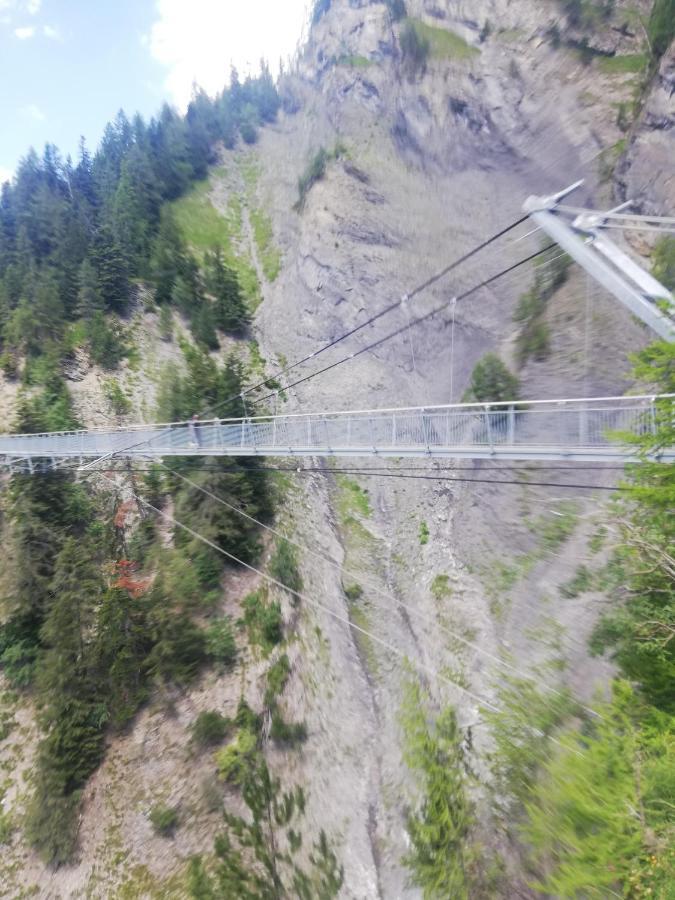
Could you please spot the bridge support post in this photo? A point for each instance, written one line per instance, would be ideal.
(488, 426)
(511, 425)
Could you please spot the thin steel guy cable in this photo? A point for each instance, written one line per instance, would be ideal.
(409, 296)
(414, 322)
(344, 620)
(371, 474)
(393, 334)
(326, 557)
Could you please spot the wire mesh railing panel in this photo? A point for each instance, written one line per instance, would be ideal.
(563, 425)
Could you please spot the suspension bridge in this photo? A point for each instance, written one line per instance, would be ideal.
(596, 429)
(591, 430)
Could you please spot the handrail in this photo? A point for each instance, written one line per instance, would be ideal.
(479, 407)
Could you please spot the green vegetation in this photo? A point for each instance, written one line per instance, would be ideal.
(118, 400)
(533, 337)
(353, 499)
(661, 26)
(423, 533)
(415, 48)
(491, 381)
(235, 760)
(593, 805)
(277, 676)
(443, 860)
(220, 643)
(284, 568)
(315, 171)
(422, 41)
(257, 856)
(355, 62)
(583, 581)
(269, 255)
(609, 158)
(440, 587)
(209, 728)
(263, 620)
(164, 819)
(353, 592)
(663, 262)
(618, 65)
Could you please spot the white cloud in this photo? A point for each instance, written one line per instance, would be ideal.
(32, 7)
(51, 32)
(33, 112)
(25, 32)
(199, 40)
(5, 174)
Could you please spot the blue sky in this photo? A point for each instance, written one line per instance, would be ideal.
(67, 66)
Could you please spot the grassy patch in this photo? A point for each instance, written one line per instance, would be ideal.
(269, 255)
(440, 587)
(630, 64)
(423, 533)
(609, 158)
(360, 618)
(443, 43)
(579, 584)
(353, 499)
(555, 529)
(204, 228)
(355, 62)
(200, 222)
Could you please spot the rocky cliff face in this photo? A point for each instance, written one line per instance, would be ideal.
(436, 161)
(431, 161)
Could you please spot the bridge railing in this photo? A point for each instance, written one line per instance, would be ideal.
(564, 425)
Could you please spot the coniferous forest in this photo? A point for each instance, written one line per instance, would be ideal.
(81, 631)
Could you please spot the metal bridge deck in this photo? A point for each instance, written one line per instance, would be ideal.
(583, 430)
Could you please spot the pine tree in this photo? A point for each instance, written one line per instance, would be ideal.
(111, 270)
(256, 857)
(230, 310)
(89, 300)
(169, 260)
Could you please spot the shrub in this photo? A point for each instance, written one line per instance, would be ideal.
(18, 661)
(263, 620)
(164, 819)
(582, 582)
(6, 828)
(440, 587)
(220, 642)
(277, 676)
(209, 728)
(8, 364)
(288, 733)
(235, 760)
(165, 324)
(246, 718)
(313, 173)
(353, 592)
(106, 346)
(119, 402)
(424, 533)
(491, 381)
(415, 48)
(284, 568)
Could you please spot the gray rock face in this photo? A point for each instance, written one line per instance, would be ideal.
(647, 174)
(436, 162)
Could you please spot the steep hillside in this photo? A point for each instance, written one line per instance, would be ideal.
(426, 152)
